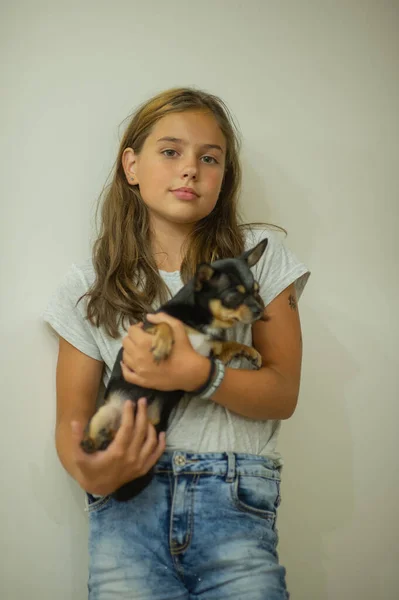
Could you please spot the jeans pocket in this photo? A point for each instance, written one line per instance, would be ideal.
(256, 495)
(96, 503)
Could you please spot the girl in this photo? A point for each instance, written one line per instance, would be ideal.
(205, 528)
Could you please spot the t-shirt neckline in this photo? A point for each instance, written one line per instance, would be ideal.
(168, 273)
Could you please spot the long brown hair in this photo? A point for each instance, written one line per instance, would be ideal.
(127, 278)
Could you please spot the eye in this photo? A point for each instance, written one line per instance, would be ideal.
(232, 299)
(169, 153)
(210, 160)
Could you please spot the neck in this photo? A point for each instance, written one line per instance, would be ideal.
(167, 242)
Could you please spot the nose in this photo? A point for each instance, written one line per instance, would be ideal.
(190, 174)
(190, 169)
(256, 312)
(258, 309)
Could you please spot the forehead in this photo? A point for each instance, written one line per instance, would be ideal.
(237, 271)
(193, 127)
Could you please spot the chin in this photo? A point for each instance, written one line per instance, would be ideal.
(184, 213)
(186, 217)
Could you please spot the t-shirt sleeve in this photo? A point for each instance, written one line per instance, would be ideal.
(278, 267)
(67, 316)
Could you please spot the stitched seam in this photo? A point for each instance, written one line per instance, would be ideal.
(278, 499)
(271, 477)
(171, 515)
(178, 567)
(97, 504)
(184, 546)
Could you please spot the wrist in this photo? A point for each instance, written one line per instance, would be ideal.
(198, 373)
(213, 381)
(98, 487)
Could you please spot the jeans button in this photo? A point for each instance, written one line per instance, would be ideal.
(179, 460)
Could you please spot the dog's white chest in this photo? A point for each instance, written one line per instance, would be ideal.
(200, 343)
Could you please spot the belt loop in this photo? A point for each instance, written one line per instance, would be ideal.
(231, 467)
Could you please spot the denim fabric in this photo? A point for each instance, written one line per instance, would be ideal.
(205, 529)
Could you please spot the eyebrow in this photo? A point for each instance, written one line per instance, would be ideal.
(180, 141)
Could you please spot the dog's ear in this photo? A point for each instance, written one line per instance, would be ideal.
(204, 273)
(252, 256)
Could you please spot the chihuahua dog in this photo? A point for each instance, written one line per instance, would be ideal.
(219, 296)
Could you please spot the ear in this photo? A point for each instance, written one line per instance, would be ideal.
(252, 256)
(129, 164)
(204, 273)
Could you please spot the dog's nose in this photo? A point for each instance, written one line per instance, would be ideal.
(259, 313)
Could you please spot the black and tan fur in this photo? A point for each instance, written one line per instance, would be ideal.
(219, 296)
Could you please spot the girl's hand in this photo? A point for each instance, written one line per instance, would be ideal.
(132, 453)
(184, 369)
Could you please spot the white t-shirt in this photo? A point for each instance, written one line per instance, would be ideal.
(196, 424)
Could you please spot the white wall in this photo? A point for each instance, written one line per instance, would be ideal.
(314, 86)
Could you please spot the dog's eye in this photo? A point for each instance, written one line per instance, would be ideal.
(232, 299)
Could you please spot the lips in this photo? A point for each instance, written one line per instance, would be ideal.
(185, 193)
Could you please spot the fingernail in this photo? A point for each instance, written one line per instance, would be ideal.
(143, 401)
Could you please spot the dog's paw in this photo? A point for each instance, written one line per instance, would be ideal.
(100, 441)
(227, 351)
(163, 341)
(102, 427)
(255, 358)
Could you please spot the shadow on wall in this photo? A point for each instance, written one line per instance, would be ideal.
(317, 445)
(270, 195)
(63, 503)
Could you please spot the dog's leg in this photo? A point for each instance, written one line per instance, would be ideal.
(103, 425)
(226, 351)
(163, 341)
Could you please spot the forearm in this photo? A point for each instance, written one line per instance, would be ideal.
(260, 395)
(63, 443)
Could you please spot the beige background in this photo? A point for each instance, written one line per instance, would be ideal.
(314, 86)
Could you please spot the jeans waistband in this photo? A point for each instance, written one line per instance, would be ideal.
(226, 464)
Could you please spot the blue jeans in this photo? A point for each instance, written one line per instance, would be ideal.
(205, 528)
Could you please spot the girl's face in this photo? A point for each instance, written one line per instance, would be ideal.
(184, 150)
